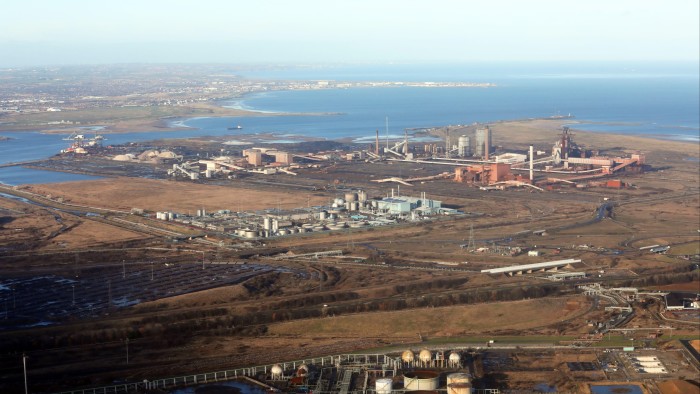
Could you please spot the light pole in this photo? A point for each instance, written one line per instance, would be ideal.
(24, 366)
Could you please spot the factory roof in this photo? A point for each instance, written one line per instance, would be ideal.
(527, 267)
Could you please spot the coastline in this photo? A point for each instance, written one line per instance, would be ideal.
(175, 118)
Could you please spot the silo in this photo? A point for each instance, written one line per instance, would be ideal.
(383, 386)
(351, 196)
(323, 215)
(267, 223)
(362, 196)
(355, 206)
(483, 140)
(421, 380)
(463, 147)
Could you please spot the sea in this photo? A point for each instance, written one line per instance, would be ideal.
(657, 100)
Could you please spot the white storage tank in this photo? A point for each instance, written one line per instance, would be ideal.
(323, 215)
(459, 388)
(407, 356)
(350, 197)
(361, 196)
(277, 372)
(383, 386)
(424, 356)
(421, 380)
(458, 377)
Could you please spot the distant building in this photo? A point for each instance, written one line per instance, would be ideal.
(254, 156)
(676, 301)
(404, 205)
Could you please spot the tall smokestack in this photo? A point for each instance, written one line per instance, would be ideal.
(487, 143)
(405, 142)
(376, 144)
(532, 164)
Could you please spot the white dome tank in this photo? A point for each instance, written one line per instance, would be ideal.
(276, 371)
(424, 355)
(407, 356)
(383, 386)
(455, 358)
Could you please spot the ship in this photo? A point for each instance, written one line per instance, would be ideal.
(236, 127)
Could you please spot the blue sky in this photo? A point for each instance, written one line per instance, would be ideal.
(45, 32)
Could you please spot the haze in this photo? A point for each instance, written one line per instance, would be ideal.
(40, 32)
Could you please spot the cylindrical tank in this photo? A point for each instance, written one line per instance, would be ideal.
(383, 386)
(421, 380)
(463, 148)
(458, 377)
(361, 196)
(355, 206)
(283, 232)
(407, 356)
(351, 196)
(424, 355)
(459, 388)
(323, 215)
(250, 233)
(207, 173)
(267, 223)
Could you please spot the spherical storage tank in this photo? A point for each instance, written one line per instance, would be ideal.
(424, 355)
(455, 358)
(407, 356)
(421, 380)
(383, 386)
(276, 371)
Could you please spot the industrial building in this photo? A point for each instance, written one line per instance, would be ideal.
(530, 268)
(353, 210)
(483, 142)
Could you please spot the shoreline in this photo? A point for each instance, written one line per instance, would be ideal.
(174, 123)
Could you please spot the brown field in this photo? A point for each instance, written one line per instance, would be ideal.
(162, 195)
(453, 321)
(678, 387)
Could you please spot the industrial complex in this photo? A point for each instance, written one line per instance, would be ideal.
(323, 266)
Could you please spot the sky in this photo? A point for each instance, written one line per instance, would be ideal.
(50, 32)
